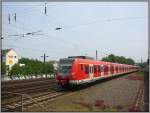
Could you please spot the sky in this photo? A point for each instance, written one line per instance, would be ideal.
(119, 28)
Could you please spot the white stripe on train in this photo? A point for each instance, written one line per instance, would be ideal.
(88, 80)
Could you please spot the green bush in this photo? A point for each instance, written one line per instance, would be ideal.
(118, 59)
(32, 67)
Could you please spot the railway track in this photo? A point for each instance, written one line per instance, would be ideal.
(24, 81)
(28, 87)
(29, 101)
(33, 95)
(19, 95)
(13, 86)
(5, 95)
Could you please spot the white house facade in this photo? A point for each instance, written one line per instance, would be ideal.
(10, 58)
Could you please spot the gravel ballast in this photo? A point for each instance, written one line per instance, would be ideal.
(118, 94)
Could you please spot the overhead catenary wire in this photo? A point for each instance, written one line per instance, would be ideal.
(50, 36)
(33, 50)
(69, 42)
(94, 22)
(82, 24)
(26, 9)
(56, 38)
(105, 20)
(26, 48)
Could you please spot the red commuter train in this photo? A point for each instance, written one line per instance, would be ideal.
(77, 70)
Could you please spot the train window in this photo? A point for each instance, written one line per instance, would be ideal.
(99, 68)
(95, 69)
(81, 66)
(108, 67)
(116, 68)
(102, 68)
(86, 69)
(120, 68)
(112, 68)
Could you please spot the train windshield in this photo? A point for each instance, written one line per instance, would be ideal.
(65, 66)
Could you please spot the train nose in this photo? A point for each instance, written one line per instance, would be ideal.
(62, 80)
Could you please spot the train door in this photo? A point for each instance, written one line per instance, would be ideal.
(109, 73)
(91, 70)
(81, 72)
(114, 69)
(105, 70)
(123, 68)
(102, 70)
(95, 70)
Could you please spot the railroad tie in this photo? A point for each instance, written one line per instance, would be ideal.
(10, 107)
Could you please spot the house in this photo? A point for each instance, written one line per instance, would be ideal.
(9, 57)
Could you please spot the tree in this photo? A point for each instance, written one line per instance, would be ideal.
(118, 59)
(35, 67)
(16, 71)
(112, 58)
(3, 67)
(49, 68)
(130, 61)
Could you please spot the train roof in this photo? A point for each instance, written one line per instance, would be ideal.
(82, 57)
(87, 59)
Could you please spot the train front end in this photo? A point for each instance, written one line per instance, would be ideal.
(65, 68)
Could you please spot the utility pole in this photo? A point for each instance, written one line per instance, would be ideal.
(141, 61)
(45, 8)
(15, 17)
(9, 18)
(96, 54)
(44, 59)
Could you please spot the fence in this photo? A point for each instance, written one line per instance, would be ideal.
(27, 77)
